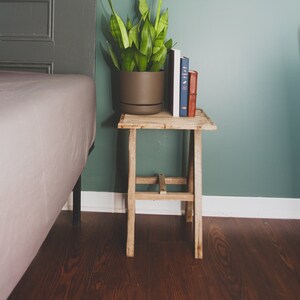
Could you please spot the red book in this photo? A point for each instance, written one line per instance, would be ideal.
(193, 79)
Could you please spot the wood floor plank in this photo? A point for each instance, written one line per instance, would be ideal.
(226, 268)
(270, 260)
(243, 259)
(262, 272)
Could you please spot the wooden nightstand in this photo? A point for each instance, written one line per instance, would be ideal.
(163, 121)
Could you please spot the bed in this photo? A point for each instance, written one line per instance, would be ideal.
(47, 127)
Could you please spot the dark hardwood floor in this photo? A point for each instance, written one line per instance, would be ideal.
(243, 259)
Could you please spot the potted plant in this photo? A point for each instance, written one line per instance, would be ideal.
(139, 54)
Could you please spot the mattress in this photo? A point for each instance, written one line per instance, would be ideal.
(47, 126)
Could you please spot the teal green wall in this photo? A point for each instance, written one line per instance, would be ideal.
(248, 57)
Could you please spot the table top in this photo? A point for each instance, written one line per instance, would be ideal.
(165, 120)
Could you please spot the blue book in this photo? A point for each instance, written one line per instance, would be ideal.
(184, 86)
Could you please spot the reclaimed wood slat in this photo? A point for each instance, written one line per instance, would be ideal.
(131, 193)
(162, 184)
(198, 230)
(182, 196)
(154, 180)
(165, 120)
(189, 205)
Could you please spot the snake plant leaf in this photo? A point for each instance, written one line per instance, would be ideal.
(169, 44)
(157, 14)
(159, 41)
(155, 67)
(128, 62)
(134, 35)
(159, 55)
(163, 23)
(118, 29)
(158, 65)
(144, 9)
(158, 59)
(141, 61)
(128, 24)
(113, 56)
(152, 31)
(147, 37)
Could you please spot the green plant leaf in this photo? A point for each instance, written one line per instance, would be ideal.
(141, 61)
(113, 56)
(144, 9)
(118, 29)
(159, 58)
(163, 23)
(147, 37)
(157, 14)
(159, 55)
(128, 62)
(159, 41)
(169, 44)
(155, 67)
(134, 35)
(128, 24)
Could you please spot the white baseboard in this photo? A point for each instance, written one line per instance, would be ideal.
(214, 206)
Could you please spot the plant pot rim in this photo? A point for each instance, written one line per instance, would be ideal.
(121, 71)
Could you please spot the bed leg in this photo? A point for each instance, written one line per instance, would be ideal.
(77, 202)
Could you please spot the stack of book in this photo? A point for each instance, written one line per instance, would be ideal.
(182, 85)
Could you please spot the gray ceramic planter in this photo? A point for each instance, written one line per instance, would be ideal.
(141, 93)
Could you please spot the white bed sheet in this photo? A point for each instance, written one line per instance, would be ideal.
(47, 126)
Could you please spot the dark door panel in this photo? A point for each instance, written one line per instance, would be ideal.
(53, 36)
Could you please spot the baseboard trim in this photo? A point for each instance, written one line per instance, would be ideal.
(214, 206)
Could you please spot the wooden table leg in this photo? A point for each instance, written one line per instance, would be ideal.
(189, 205)
(198, 194)
(131, 193)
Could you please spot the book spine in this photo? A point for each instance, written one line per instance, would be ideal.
(174, 81)
(193, 81)
(184, 85)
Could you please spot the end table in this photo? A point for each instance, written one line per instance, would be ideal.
(193, 198)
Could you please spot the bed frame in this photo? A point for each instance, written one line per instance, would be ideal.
(77, 202)
(77, 198)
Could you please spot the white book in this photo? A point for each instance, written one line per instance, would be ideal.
(174, 81)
